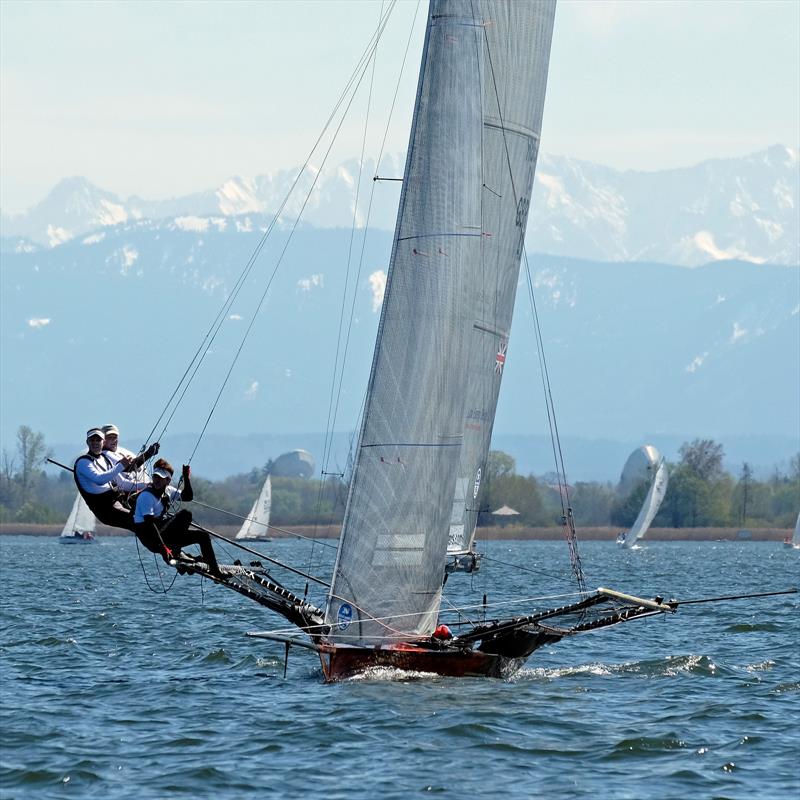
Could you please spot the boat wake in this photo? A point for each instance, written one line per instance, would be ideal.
(668, 667)
(393, 675)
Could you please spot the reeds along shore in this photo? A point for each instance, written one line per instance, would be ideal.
(509, 532)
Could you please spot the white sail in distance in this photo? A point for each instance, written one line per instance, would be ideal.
(256, 526)
(80, 519)
(652, 502)
(446, 313)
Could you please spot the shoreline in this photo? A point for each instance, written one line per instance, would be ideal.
(489, 534)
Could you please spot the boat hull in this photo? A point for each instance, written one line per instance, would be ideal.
(341, 661)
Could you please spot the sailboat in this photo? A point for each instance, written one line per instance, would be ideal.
(79, 527)
(657, 474)
(256, 525)
(794, 540)
(438, 364)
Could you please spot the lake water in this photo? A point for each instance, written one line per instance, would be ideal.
(110, 690)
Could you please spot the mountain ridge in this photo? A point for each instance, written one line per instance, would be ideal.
(735, 208)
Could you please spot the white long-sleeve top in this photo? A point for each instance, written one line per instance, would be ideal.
(96, 474)
(131, 481)
(148, 505)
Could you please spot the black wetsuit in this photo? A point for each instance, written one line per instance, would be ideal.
(173, 532)
(106, 506)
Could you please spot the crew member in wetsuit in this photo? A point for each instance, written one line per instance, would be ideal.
(95, 475)
(165, 534)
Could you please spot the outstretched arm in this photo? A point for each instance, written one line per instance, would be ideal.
(187, 493)
(90, 472)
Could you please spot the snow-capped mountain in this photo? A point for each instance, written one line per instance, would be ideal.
(742, 208)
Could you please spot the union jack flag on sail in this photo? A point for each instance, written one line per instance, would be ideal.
(500, 358)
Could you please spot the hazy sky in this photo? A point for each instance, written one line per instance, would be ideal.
(164, 98)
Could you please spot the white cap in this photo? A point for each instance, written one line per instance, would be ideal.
(162, 473)
(95, 432)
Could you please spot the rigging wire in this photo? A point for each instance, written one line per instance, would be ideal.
(329, 427)
(567, 518)
(210, 336)
(369, 209)
(524, 569)
(283, 253)
(285, 531)
(331, 424)
(163, 589)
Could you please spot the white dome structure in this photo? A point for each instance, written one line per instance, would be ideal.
(295, 464)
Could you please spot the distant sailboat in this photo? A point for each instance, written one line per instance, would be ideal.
(79, 527)
(256, 526)
(794, 540)
(644, 464)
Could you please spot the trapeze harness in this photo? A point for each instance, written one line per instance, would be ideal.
(169, 533)
(143, 530)
(106, 506)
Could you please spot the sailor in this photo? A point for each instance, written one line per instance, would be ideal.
(132, 481)
(162, 533)
(95, 475)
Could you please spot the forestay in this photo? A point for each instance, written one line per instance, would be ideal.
(446, 311)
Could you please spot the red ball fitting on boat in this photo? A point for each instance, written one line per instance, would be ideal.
(442, 632)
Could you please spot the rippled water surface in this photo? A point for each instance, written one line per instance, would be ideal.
(114, 691)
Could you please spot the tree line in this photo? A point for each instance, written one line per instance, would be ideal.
(701, 493)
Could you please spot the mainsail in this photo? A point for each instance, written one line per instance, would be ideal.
(655, 496)
(256, 526)
(517, 50)
(80, 519)
(446, 315)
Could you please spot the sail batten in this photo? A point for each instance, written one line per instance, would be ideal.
(455, 260)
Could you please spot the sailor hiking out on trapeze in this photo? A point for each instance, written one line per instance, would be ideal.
(102, 483)
(114, 452)
(161, 532)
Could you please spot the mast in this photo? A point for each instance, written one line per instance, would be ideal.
(442, 287)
